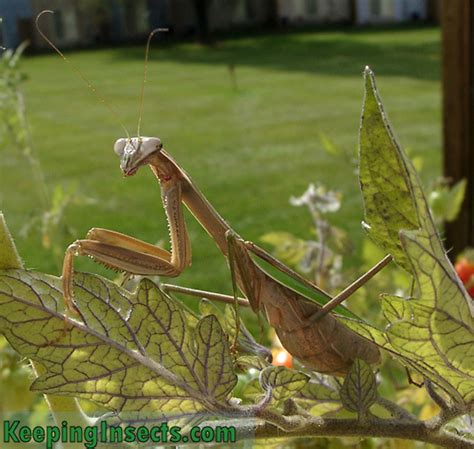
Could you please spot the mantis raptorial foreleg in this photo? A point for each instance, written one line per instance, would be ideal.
(121, 252)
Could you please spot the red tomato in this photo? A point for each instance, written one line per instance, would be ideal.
(282, 357)
(465, 270)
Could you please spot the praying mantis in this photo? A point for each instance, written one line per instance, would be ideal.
(306, 329)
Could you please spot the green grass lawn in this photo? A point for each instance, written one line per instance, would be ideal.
(247, 149)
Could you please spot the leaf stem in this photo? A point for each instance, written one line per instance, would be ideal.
(396, 410)
(442, 404)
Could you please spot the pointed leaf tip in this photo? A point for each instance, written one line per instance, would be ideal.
(9, 257)
(371, 96)
(369, 78)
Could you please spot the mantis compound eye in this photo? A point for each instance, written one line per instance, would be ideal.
(154, 142)
(119, 146)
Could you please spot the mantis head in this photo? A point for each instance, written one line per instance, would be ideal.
(135, 152)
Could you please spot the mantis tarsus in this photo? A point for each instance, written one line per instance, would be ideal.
(305, 328)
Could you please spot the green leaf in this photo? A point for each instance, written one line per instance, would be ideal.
(318, 389)
(436, 328)
(252, 390)
(445, 202)
(393, 197)
(9, 258)
(456, 198)
(213, 364)
(359, 390)
(131, 353)
(245, 362)
(282, 382)
(246, 342)
(433, 332)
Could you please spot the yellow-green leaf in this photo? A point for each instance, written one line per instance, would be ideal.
(282, 382)
(318, 389)
(212, 362)
(433, 332)
(393, 197)
(456, 198)
(246, 342)
(131, 353)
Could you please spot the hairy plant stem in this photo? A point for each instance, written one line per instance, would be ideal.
(274, 425)
(396, 411)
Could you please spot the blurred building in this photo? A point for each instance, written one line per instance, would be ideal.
(300, 12)
(222, 14)
(15, 25)
(74, 22)
(383, 11)
(360, 12)
(89, 22)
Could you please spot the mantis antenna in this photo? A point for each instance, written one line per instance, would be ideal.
(81, 76)
(145, 70)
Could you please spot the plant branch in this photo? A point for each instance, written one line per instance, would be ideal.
(444, 417)
(321, 427)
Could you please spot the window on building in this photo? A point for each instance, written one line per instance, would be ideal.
(312, 7)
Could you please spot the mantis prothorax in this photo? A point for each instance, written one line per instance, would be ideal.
(306, 329)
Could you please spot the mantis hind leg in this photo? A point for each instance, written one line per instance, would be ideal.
(121, 252)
